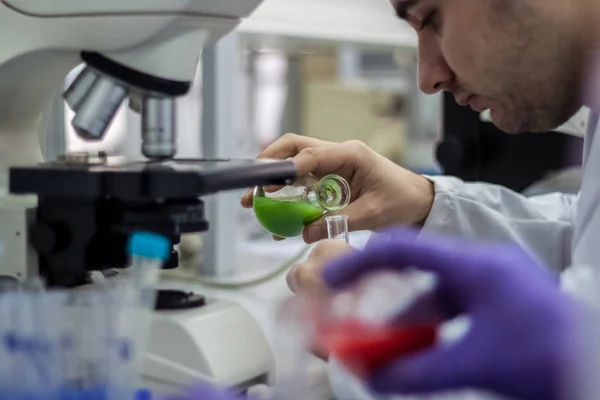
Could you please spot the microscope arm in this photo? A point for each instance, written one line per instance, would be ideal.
(154, 38)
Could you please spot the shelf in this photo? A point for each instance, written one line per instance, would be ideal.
(292, 23)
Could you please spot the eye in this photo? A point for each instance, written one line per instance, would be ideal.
(430, 21)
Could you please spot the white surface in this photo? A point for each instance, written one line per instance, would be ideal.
(220, 343)
(368, 22)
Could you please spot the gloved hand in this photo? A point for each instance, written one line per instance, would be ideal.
(522, 342)
(207, 392)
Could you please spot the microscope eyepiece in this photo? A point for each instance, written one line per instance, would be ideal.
(98, 108)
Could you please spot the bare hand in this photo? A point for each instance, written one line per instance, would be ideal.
(306, 276)
(383, 193)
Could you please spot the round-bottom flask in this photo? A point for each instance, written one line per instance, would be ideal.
(285, 212)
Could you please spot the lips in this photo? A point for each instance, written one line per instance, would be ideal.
(463, 100)
(475, 102)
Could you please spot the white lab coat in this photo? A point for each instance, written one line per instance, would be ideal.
(562, 230)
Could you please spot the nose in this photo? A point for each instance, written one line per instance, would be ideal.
(434, 73)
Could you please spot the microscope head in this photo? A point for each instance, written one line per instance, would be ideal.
(147, 50)
(153, 73)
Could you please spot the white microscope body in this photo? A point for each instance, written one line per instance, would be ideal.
(41, 43)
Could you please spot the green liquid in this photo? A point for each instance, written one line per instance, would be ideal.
(284, 218)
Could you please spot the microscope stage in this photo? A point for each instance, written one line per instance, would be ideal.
(147, 180)
(86, 208)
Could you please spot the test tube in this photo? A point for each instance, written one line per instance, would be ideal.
(337, 227)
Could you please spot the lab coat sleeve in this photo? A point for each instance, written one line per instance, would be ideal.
(581, 282)
(541, 224)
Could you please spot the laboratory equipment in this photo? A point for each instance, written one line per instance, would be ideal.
(285, 212)
(367, 326)
(80, 344)
(64, 219)
(337, 227)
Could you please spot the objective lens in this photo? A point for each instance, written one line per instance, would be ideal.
(98, 109)
(135, 102)
(79, 89)
(158, 128)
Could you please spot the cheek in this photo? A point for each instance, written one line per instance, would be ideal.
(463, 40)
(460, 52)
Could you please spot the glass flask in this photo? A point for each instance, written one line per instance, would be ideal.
(285, 212)
(374, 322)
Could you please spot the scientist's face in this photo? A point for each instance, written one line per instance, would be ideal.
(517, 58)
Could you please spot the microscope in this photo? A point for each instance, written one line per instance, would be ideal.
(63, 220)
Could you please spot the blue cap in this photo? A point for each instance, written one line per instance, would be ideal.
(150, 245)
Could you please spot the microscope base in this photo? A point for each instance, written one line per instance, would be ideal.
(219, 343)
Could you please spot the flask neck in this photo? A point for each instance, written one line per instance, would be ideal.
(332, 193)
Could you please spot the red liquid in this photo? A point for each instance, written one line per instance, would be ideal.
(365, 349)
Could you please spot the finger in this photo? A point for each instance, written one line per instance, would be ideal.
(315, 232)
(273, 188)
(292, 279)
(305, 278)
(439, 369)
(327, 159)
(446, 257)
(289, 145)
(246, 200)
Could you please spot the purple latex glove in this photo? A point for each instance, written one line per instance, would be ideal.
(206, 391)
(523, 337)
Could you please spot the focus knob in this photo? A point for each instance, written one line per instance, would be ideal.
(43, 238)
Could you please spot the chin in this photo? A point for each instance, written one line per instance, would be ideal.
(513, 124)
(506, 125)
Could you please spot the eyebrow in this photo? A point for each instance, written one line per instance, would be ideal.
(403, 6)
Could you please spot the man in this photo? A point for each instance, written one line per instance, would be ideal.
(525, 61)
(522, 59)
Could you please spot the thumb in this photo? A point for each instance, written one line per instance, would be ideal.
(442, 368)
(358, 220)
